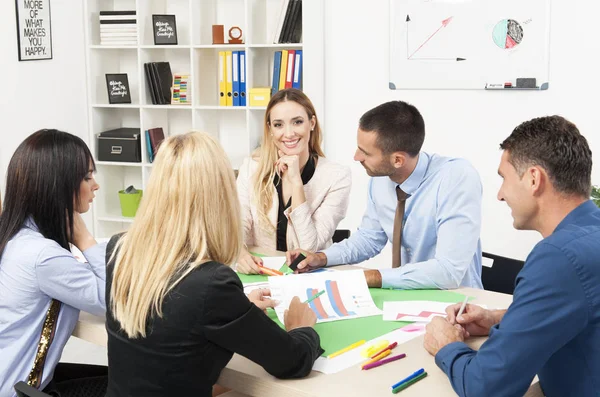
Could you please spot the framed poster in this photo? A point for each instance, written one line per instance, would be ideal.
(165, 29)
(34, 34)
(117, 86)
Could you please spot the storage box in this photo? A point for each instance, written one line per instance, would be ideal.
(121, 144)
(259, 96)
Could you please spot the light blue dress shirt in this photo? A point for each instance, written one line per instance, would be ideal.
(33, 270)
(442, 221)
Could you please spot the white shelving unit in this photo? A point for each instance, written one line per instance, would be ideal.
(238, 129)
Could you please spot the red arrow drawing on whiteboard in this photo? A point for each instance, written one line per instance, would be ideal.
(445, 23)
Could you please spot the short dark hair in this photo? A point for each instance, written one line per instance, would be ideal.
(42, 182)
(556, 145)
(399, 127)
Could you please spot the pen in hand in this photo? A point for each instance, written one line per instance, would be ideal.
(462, 307)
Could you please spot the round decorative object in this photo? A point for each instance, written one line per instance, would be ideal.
(235, 34)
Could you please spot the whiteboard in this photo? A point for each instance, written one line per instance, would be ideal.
(468, 44)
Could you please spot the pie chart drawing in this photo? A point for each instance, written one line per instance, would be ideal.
(507, 33)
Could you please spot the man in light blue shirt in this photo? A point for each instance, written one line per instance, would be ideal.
(440, 246)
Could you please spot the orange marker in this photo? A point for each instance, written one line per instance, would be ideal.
(269, 272)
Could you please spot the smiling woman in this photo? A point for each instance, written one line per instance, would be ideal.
(291, 195)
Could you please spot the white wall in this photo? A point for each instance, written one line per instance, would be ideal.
(45, 93)
(458, 123)
(51, 93)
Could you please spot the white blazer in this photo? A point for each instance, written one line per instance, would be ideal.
(312, 224)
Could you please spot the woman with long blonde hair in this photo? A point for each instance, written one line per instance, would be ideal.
(291, 195)
(176, 312)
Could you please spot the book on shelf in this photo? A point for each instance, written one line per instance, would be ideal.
(287, 70)
(283, 69)
(118, 28)
(154, 137)
(159, 78)
(288, 27)
(289, 74)
(222, 72)
(149, 150)
(242, 77)
(231, 78)
(276, 72)
(297, 79)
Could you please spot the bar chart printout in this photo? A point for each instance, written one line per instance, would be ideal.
(341, 295)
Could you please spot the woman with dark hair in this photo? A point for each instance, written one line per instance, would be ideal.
(43, 287)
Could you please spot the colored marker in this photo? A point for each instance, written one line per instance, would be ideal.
(269, 272)
(347, 349)
(381, 362)
(410, 382)
(390, 347)
(377, 358)
(315, 296)
(417, 373)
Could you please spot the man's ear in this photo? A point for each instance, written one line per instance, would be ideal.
(398, 159)
(537, 179)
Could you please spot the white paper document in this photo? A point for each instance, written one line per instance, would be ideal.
(273, 262)
(343, 295)
(415, 311)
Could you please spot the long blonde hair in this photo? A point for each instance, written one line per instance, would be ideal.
(189, 215)
(266, 154)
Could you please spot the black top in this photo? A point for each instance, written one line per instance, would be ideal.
(282, 222)
(206, 318)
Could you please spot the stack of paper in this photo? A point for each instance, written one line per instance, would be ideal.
(118, 28)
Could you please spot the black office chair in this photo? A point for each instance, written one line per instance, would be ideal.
(24, 390)
(340, 235)
(502, 275)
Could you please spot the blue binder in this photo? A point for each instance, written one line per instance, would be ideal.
(297, 78)
(149, 148)
(235, 67)
(276, 71)
(242, 70)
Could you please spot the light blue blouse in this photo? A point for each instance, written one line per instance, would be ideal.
(33, 271)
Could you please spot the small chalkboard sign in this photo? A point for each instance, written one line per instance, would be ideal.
(165, 29)
(118, 88)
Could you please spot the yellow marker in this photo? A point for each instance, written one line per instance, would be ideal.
(374, 348)
(377, 358)
(347, 349)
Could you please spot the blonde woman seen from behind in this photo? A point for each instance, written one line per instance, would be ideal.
(177, 312)
(291, 195)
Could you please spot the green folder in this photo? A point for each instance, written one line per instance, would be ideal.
(336, 335)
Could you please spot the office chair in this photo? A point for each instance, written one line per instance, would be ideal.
(24, 390)
(340, 235)
(502, 275)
